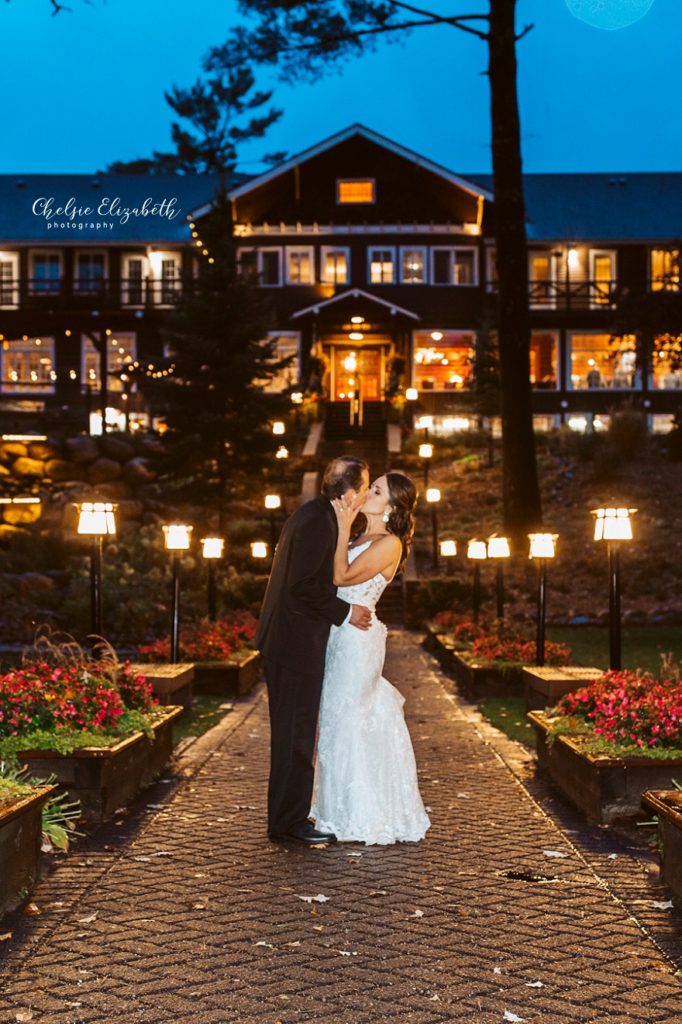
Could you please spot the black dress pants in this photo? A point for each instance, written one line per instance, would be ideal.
(294, 701)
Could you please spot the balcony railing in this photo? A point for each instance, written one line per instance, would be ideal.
(127, 291)
(570, 295)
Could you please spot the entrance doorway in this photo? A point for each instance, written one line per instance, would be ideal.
(357, 369)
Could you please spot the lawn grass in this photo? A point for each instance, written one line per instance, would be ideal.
(206, 711)
(509, 715)
(642, 645)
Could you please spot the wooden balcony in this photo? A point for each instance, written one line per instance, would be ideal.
(79, 293)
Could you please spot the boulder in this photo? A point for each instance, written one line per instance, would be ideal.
(44, 450)
(4, 471)
(130, 509)
(10, 450)
(18, 515)
(136, 471)
(8, 532)
(81, 449)
(23, 466)
(102, 470)
(117, 490)
(151, 446)
(33, 584)
(59, 470)
(114, 448)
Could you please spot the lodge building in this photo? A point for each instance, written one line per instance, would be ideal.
(380, 267)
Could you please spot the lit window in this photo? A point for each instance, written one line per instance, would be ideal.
(603, 274)
(542, 274)
(543, 359)
(453, 266)
(603, 361)
(9, 279)
(381, 266)
(446, 364)
(121, 350)
(666, 362)
(300, 266)
(413, 266)
(665, 270)
(28, 366)
(355, 190)
(334, 267)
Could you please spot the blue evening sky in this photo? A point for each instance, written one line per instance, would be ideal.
(85, 88)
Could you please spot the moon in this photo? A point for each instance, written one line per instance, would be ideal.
(609, 14)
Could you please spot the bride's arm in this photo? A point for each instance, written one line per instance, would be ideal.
(379, 556)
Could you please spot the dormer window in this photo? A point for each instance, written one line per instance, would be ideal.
(355, 190)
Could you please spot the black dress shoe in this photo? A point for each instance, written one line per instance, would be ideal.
(307, 836)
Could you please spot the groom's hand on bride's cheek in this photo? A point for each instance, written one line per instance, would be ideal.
(360, 616)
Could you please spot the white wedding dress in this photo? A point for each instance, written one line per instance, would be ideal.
(366, 786)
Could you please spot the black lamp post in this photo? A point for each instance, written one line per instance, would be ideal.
(433, 497)
(272, 503)
(448, 550)
(542, 548)
(97, 520)
(477, 552)
(498, 549)
(177, 538)
(212, 549)
(614, 525)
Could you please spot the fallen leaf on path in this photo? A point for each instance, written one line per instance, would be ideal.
(418, 913)
(261, 943)
(463, 796)
(320, 898)
(435, 998)
(508, 1015)
(88, 919)
(535, 984)
(554, 853)
(24, 1015)
(378, 892)
(497, 970)
(613, 856)
(32, 909)
(347, 952)
(318, 927)
(297, 943)
(663, 904)
(353, 854)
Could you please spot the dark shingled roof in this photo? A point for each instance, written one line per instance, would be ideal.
(182, 195)
(601, 207)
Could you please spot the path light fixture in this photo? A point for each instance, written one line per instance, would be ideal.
(259, 549)
(177, 538)
(411, 394)
(477, 551)
(426, 454)
(212, 549)
(425, 423)
(278, 428)
(498, 549)
(448, 550)
(614, 526)
(542, 549)
(433, 497)
(97, 520)
(273, 502)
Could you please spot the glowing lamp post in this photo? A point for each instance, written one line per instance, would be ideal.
(614, 525)
(97, 520)
(433, 497)
(278, 428)
(281, 455)
(426, 454)
(542, 548)
(259, 549)
(448, 550)
(272, 503)
(498, 549)
(212, 549)
(411, 394)
(425, 423)
(177, 537)
(477, 551)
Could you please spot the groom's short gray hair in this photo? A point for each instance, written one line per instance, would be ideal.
(343, 474)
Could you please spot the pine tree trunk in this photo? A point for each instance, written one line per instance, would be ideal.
(521, 492)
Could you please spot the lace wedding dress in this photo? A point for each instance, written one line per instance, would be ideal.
(366, 786)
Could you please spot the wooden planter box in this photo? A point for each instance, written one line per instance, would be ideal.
(225, 678)
(172, 684)
(543, 687)
(20, 841)
(106, 778)
(605, 789)
(667, 805)
(479, 681)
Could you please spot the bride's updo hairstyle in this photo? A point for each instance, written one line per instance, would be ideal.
(402, 499)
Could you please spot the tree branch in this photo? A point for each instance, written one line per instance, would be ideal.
(456, 21)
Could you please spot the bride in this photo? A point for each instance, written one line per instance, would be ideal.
(366, 786)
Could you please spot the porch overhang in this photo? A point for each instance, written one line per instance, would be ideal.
(355, 295)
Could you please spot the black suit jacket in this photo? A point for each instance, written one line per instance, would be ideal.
(300, 603)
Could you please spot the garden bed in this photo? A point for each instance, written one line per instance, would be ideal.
(667, 806)
(605, 788)
(228, 678)
(20, 842)
(106, 778)
(171, 684)
(543, 687)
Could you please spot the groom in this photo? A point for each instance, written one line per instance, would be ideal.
(299, 607)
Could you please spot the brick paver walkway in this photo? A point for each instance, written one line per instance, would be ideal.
(182, 911)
